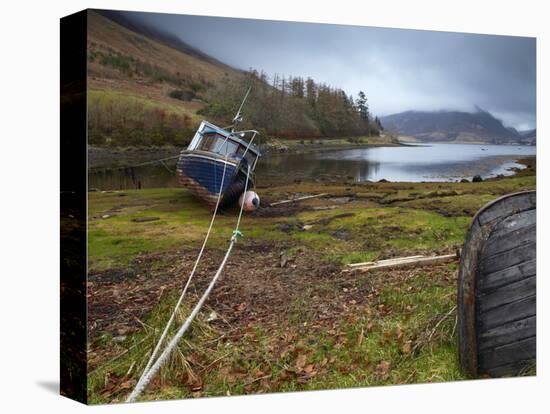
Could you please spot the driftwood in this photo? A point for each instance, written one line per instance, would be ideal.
(292, 200)
(400, 262)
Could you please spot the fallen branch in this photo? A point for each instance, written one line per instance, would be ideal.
(292, 200)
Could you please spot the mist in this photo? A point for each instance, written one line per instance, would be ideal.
(398, 69)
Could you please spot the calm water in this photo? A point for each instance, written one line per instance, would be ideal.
(429, 162)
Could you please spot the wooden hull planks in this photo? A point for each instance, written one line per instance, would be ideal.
(497, 289)
(202, 175)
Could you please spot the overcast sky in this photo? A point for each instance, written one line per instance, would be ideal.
(398, 69)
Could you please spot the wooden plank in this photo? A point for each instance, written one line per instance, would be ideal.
(514, 222)
(525, 349)
(511, 240)
(508, 333)
(494, 280)
(409, 262)
(498, 251)
(507, 206)
(467, 344)
(394, 259)
(292, 200)
(504, 260)
(520, 309)
(513, 369)
(507, 294)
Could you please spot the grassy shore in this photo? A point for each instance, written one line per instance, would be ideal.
(284, 316)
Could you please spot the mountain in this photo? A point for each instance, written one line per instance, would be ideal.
(529, 137)
(451, 126)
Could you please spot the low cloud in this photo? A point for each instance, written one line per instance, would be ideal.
(398, 69)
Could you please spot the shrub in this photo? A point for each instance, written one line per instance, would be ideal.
(182, 95)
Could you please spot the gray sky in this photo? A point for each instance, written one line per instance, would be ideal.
(398, 69)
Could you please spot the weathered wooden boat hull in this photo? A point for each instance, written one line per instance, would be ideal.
(202, 175)
(497, 289)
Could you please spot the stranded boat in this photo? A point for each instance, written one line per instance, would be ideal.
(497, 289)
(218, 161)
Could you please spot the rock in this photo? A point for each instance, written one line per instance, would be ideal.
(119, 339)
(340, 200)
(144, 219)
(288, 227)
(307, 227)
(341, 234)
(284, 259)
(321, 208)
(105, 216)
(464, 180)
(383, 180)
(477, 179)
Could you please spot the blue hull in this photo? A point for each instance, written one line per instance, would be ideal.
(203, 174)
(207, 172)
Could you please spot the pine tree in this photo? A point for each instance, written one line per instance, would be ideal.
(362, 106)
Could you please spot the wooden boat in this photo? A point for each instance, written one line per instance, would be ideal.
(215, 155)
(497, 289)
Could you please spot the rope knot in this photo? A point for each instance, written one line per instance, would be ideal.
(236, 235)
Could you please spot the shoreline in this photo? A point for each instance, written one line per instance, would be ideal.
(107, 158)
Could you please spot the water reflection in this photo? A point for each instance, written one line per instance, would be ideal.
(435, 162)
(146, 176)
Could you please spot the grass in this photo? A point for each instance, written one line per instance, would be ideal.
(140, 105)
(328, 330)
(367, 348)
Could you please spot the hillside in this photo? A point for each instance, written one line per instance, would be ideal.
(148, 87)
(451, 126)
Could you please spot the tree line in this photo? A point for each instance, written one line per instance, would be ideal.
(291, 107)
(278, 106)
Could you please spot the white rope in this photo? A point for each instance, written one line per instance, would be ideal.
(142, 383)
(180, 299)
(150, 370)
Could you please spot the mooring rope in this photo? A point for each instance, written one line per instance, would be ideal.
(184, 291)
(150, 370)
(141, 164)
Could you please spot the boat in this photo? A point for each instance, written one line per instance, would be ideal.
(217, 161)
(497, 289)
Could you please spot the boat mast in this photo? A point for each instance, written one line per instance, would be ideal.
(238, 117)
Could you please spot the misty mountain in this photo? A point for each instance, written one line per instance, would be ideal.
(451, 126)
(529, 137)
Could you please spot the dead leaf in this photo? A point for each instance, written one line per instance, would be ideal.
(398, 333)
(309, 368)
(300, 362)
(382, 370)
(406, 348)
